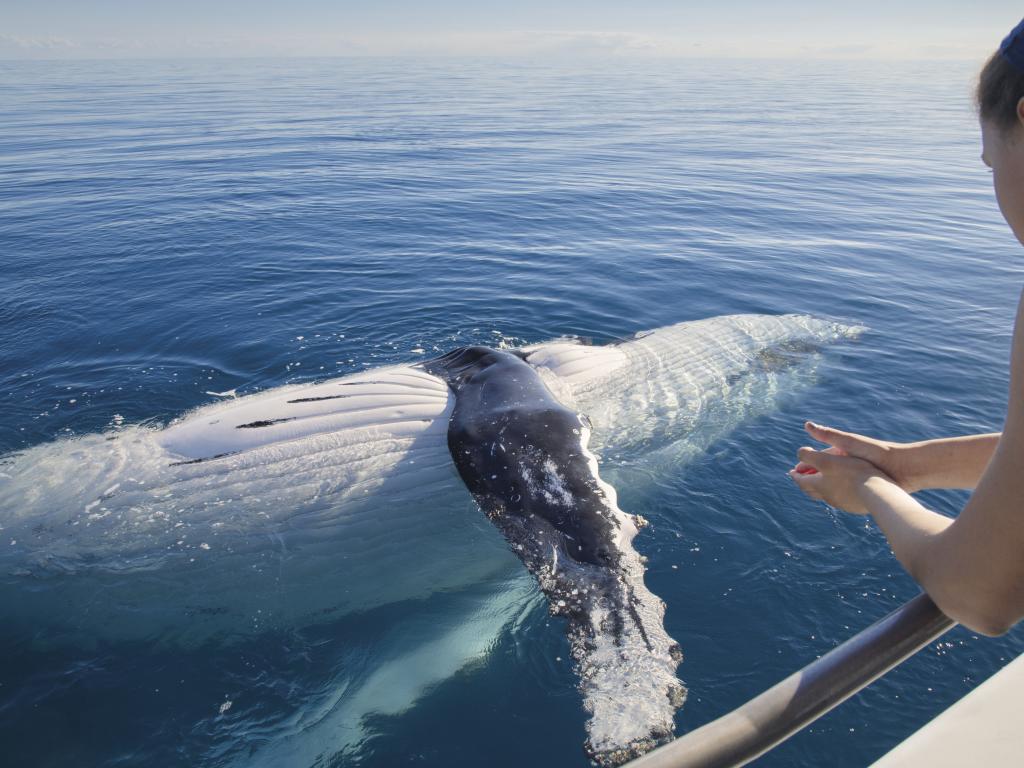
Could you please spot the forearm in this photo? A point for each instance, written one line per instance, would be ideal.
(971, 567)
(950, 462)
(910, 528)
(919, 538)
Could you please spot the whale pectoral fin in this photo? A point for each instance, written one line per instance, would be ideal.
(399, 401)
(542, 490)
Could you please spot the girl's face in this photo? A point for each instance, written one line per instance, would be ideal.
(1003, 152)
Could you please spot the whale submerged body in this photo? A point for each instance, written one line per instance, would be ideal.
(309, 502)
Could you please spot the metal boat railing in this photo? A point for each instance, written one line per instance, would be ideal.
(772, 717)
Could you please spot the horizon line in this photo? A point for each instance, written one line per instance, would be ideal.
(498, 57)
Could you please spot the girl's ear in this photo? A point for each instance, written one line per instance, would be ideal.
(1020, 111)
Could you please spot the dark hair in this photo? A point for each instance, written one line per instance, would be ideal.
(1000, 87)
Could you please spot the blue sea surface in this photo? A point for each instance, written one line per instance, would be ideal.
(170, 229)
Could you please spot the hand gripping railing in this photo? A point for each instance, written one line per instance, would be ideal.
(766, 720)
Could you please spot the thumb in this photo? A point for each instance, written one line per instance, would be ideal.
(854, 445)
(819, 460)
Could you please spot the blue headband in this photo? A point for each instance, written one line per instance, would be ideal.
(1012, 47)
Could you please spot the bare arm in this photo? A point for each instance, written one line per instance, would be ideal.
(951, 462)
(973, 567)
(976, 564)
(948, 462)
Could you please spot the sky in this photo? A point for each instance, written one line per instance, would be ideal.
(886, 29)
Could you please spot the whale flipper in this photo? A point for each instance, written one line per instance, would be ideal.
(523, 455)
(390, 403)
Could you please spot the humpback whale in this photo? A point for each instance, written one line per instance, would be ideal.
(312, 501)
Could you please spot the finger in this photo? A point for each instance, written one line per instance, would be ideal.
(808, 469)
(817, 459)
(846, 441)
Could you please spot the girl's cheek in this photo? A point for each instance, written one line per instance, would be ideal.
(1006, 206)
(1011, 203)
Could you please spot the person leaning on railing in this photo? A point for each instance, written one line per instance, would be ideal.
(973, 566)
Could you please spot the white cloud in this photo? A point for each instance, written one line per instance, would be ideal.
(843, 50)
(595, 43)
(285, 45)
(15, 46)
(36, 43)
(540, 43)
(531, 43)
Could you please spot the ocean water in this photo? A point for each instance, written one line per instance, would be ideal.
(174, 229)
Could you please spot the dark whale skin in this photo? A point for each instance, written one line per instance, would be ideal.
(504, 434)
(522, 454)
